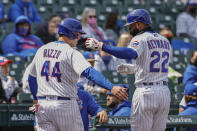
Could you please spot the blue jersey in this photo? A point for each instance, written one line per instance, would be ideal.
(23, 8)
(1, 11)
(18, 44)
(124, 109)
(191, 109)
(88, 106)
(190, 75)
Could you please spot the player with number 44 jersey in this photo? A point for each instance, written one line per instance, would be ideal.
(151, 53)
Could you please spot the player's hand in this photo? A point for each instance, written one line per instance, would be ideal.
(125, 68)
(35, 106)
(103, 117)
(120, 92)
(93, 44)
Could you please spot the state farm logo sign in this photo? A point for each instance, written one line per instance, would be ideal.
(22, 117)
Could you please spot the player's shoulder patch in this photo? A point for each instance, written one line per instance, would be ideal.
(134, 44)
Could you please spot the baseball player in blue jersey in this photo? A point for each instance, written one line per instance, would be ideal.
(189, 77)
(88, 106)
(119, 107)
(53, 76)
(190, 74)
(190, 93)
(151, 51)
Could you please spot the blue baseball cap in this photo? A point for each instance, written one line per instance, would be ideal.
(191, 89)
(80, 86)
(121, 85)
(89, 56)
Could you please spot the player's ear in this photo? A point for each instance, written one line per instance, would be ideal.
(79, 35)
(139, 25)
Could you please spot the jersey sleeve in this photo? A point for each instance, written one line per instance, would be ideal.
(93, 107)
(137, 45)
(79, 63)
(32, 69)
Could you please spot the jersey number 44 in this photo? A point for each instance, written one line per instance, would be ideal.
(55, 72)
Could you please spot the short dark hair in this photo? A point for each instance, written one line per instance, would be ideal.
(111, 20)
(54, 15)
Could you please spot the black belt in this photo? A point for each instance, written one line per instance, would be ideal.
(165, 83)
(53, 98)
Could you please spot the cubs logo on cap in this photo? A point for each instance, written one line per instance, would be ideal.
(4, 60)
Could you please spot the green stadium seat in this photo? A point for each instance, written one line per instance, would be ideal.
(17, 68)
(3, 34)
(67, 2)
(66, 9)
(91, 3)
(6, 4)
(29, 60)
(24, 98)
(10, 26)
(179, 92)
(112, 3)
(34, 27)
(5, 1)
(114, 77)
(179, 61)
(46, 2)
(4, 114)
(44, 12)
(130, 82)
(131, 3)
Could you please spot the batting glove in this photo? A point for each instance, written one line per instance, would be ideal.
(125, 68)
(93, 44)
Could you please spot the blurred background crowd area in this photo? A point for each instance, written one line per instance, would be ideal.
(164, 14)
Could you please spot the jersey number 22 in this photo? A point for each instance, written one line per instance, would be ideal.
(164, 56)
(55, 73)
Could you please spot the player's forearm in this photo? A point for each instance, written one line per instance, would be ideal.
(120, 52)
(94, 108)
(95, 76)
(33, 86)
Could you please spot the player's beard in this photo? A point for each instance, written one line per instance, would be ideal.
(114, 104)
(73, 43)
(134, 32)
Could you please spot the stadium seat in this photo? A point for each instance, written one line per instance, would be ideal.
(17, 68)
(66, 10)
(130, 81)
(114, 77)
(91, 3)
(179, 61)
(9, 27)
(3, 114)
(179, 92)
(110, 3)
(131, 2)
(24, 98)
(67, 2)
